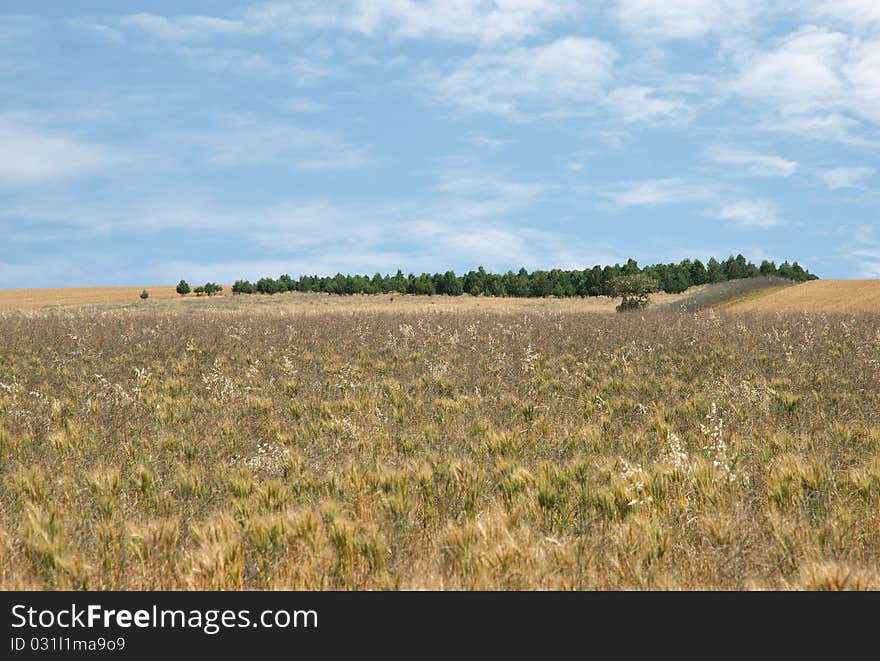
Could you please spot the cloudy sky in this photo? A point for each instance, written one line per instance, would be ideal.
(142, 142)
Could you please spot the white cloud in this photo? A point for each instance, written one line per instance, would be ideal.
(183, 28)
(558, 78)
(33, 155)
(862, 250)
(751, 214)
(833, 126)
(837, 178)
(468, 197)
(100, 30)
(752, 163)
(716, 200)
(670, 20)
(456, 197)
(487, 142)
(304, 105)
(246, 140)
(802, 71)
(303, 71)
(223, 59)
(857, 13)
(422, 246)
(638, 104)
(656, 192)
(485, 21)
(464, 220)
(816, 79)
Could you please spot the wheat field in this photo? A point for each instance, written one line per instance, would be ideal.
(17, 299)
(241, 443)
(817, 296)
(301, 302)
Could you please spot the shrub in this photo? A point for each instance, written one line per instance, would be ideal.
(633, 290)
(145, 295)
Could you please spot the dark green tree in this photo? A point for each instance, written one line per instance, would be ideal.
(243, 287)
(633, 290)
(714, 271)
(767, 268)
(698, 273)
(539, 284)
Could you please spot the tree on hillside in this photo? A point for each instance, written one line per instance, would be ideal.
(631, 267)
(698, 273)
(767, 268)
(676, 279)
(714, 271)
(633, 290)
(183, 288)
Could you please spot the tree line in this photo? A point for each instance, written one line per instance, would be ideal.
(670, 278)
(209, 288)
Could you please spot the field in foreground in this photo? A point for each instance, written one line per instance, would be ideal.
(248, 446)
(817, 296)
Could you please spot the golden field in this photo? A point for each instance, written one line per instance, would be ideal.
(316, 442)
(11, 299)
(816, 296)
(22, 299)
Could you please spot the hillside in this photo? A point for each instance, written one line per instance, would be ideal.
(722, 294)
(817, 296)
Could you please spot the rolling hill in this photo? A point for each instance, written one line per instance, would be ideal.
(816, 296)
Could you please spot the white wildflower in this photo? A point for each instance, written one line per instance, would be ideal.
(675, 454)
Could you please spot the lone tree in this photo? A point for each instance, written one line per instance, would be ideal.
(183, 288)
(633, 290)
(145, 295)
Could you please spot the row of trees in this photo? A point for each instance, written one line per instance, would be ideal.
(671, 278)
(209, 288)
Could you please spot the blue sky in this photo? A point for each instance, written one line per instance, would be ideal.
(145, 142)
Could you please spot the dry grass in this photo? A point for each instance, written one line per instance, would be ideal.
(23, 299)
(240, 444)
(817, 296)
(13, 299)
